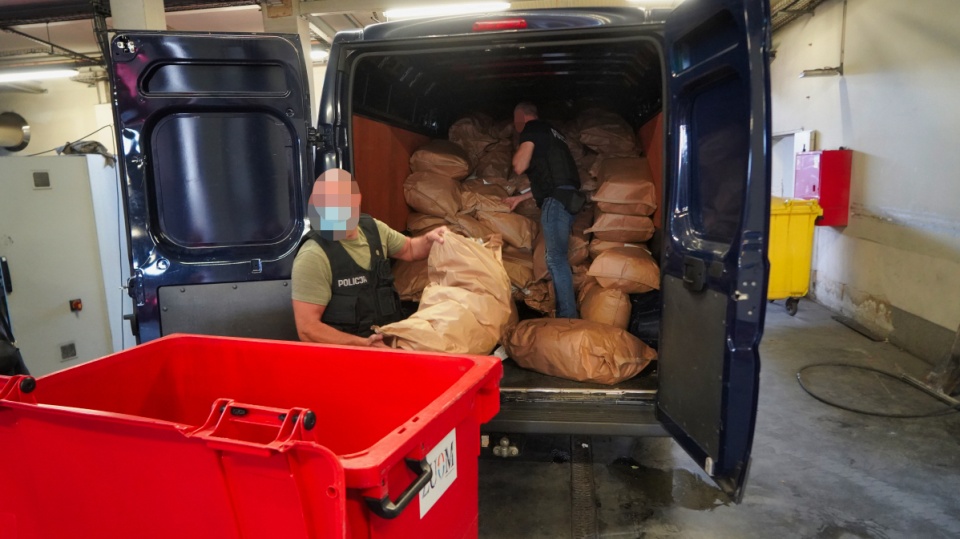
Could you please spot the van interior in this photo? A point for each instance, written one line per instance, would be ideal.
(398, 100)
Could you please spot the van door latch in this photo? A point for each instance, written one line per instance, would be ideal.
(135, 288)
(694, 273)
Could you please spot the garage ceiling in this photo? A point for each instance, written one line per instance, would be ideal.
(68, 23)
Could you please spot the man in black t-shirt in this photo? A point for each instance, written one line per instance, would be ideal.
(555, 186)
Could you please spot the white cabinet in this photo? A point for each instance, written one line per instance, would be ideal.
(62, 234)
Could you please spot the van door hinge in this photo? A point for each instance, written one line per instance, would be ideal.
(313, 136)
(320, 138)
(694, 273)
(135, 288)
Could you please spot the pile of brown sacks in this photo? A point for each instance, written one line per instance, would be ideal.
(465, 308)
(461, 183)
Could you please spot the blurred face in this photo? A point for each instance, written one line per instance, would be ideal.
(334, 208)
(519, 120)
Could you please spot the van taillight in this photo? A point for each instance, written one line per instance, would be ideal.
(500, 24)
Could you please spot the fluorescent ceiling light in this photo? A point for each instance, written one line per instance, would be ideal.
(22, 76)
(319, 55)
(444, 10)
(657, 4)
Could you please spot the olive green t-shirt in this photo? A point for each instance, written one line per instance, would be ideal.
(312, 276)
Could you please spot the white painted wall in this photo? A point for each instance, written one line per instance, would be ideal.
(67, 111)
(897, 106)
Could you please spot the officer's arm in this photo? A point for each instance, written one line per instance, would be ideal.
(311, 329)
(521, 159)
(419, 248)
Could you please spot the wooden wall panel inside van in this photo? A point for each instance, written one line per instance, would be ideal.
(381, 163)
(651, 140)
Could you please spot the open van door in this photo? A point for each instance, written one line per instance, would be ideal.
(216, 167)
(715, 266)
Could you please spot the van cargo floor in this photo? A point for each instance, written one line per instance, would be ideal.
(517, 380)
(535, 403)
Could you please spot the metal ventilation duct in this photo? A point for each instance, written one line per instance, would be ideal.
(14, 132)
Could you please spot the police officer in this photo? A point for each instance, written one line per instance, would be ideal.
(555, 186)
(342, 283)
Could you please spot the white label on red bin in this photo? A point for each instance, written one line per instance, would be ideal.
(443, 460)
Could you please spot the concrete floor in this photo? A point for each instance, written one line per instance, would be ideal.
(817, 471)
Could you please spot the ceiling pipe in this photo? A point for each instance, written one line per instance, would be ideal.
(75, 10)
(82, 58)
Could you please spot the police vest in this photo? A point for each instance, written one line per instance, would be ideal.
(359, 298)
(553, 168)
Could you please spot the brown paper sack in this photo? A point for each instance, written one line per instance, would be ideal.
(519, 269)
(627, 269)
(587, 182)
(582, 221)
(540, 270)
(624, 170)
(421, 223)
(528, 208)
(606, 306)
(598, 246)
(594, 169)
(467, 225)
(625, 228)
(466, 307)
(522, 181)
(508, 186)
(516, 252)
(495, 162)
(587, 163)
(503, 130)
(441, 157)
(581, 276)
(589, 283)
(606, 133)
(578, 252)
(541, 297)
(410, 278)
(432, 194)
(476, 195)
(512, 322)
(623, 194)
(473, 134)
(516, 230)
(446, 327)
(578, 350)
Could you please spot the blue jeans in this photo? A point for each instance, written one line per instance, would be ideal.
(556, 223)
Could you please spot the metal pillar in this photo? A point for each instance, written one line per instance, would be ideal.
(138, 14)
(284, 17)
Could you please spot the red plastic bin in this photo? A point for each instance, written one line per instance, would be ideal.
(191, 436)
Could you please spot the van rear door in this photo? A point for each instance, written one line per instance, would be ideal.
(715, 253)
(213, 132)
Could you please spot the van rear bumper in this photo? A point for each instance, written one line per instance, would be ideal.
(593, 419)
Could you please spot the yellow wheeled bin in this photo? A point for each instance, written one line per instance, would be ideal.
(791, 249)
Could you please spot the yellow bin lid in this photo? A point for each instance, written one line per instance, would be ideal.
(781, 206)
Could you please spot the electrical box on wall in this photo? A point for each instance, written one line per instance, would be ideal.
(825, 176)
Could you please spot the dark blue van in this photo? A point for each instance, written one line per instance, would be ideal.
(220, 151)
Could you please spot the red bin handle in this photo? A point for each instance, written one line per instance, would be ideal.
(384, 508)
